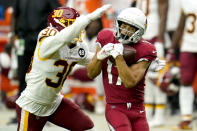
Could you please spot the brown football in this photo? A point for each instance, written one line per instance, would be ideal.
(129, 54)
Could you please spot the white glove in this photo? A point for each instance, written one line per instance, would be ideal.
(160, 49)
(98, 12)
(105, 51)
(157, 64)
(117, 50)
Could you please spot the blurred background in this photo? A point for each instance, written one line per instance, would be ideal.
(21, 21)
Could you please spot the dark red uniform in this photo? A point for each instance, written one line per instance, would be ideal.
(129, 102)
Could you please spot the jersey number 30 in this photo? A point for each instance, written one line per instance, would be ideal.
(60, 75)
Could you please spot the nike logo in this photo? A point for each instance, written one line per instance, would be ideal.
(154, 52)
(113, 107)
(141, 111)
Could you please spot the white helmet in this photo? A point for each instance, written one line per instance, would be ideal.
(134, 17)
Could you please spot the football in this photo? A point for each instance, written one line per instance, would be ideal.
(129, 54)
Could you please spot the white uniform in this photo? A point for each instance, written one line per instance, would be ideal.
(188, 60)
(150, 8)
(189, 43)
(51, 63)
(174, 13)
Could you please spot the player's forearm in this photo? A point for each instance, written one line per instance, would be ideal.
(69, 33)
(179, 32)
(127, 77)
(163, 11)
(81, 22)
(94, 68)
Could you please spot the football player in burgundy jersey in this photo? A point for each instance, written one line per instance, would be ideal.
(59, 47)
(124, 84)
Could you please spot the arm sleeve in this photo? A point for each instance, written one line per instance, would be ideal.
(148, 53)
(52, 44)
(88, 57)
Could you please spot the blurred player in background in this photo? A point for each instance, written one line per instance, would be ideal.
(174, 13)
(5, 64)
(81, 88)
(186, 37)
(124, 84)
(92, 31)
(156, 12)
(59, 47)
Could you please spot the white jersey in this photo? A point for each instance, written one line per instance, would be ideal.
(189, 43)
(48, 70)
(150, 8)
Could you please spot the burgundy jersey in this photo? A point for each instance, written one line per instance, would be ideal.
(114, 89)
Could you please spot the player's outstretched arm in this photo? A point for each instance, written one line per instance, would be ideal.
(66, 35)
(71, 32)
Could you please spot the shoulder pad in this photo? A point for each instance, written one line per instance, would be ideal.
(145, 41)
(49, 31)
(146, 50)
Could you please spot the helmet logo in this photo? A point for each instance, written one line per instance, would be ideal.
(62, 21)
(81, 52)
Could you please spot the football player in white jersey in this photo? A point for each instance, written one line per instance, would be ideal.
(187, 34)
(156, 12)
(59, 47)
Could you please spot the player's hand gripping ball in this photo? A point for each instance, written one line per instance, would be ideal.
(129, 54)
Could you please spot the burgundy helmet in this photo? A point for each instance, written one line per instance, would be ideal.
(62, 17)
